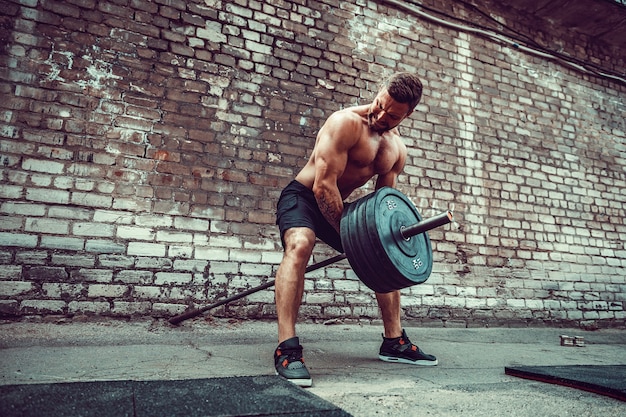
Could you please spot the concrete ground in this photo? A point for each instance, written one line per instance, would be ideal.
(342, 359)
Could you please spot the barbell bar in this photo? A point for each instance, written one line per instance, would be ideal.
(425, 225)
(385, 241)
(196, 312)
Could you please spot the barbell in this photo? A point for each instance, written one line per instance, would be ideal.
(385, 241)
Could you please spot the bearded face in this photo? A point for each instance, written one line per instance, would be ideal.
(385, 113)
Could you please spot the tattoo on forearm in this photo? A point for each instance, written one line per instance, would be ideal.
(331, 212)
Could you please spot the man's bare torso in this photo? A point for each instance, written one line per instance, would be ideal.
(372, 153)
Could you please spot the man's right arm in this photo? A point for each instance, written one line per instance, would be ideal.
(335, 139)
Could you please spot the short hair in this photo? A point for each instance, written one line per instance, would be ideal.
(404, 87)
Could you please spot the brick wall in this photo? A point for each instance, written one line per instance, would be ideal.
(144, 144)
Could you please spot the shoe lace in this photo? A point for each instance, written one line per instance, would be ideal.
(406, 344)
(291, 357)
(401, 344)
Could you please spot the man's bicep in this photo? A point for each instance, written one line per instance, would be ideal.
(389, 179)
(331, 151)
(330, 164)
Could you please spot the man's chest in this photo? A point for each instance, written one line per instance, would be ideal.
(377, 155)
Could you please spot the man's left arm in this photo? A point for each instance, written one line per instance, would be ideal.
(390, 179)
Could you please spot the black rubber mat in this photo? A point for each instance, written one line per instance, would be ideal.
(237, 396)
(609, 380)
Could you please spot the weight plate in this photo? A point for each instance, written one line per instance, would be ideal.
(412, 257)
(352, 240)
(379, 255)
(386, 274)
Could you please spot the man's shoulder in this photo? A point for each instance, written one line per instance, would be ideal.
(348, 114)
(349, 117)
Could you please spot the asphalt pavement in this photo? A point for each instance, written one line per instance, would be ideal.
(469, 381)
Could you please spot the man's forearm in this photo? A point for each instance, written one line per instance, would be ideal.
(331, 207)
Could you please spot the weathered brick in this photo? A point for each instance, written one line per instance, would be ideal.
(190, 265)
(48, 196)
(118, 217)
(63, 291)
(17, 239)
(11, 223)
(10, 191)
(64, 243)
(320, 298)
(41, 225)
(130, 204)
(107, 291)
(210, 253)
(186, 223)
(93, 229)
(165, 278)
(175, 251)
(23, 209)
(42, 307)
(145, 249)
(91, 275)
(147, 292)
(133, 232)
(91, 200)
(134, 277)
(255, 269)
(116, 261)
(153, 220)
(153, 263)
(225, 241)
(131, 308)
(11, 272)
(51, 167)
(36, 257)
(73, 259)
(69, 213)
(88, 307)
(168, 309)
(104, 246)
(44, 180)
(13, 288)
(176, 237)
(9, 307)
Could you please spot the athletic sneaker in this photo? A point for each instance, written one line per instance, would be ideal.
(401, 350)
(289, 363)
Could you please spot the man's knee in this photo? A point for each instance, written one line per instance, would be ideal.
(299, 243)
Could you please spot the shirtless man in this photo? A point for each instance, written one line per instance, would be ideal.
(353, 146)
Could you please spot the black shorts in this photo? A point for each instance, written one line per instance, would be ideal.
(297, 207)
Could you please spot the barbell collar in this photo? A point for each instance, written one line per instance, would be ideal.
(425, 225)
